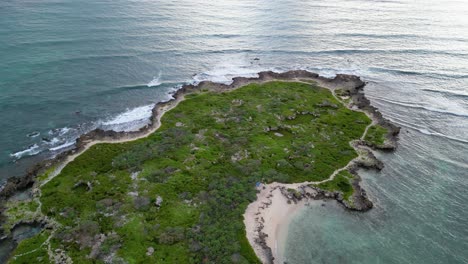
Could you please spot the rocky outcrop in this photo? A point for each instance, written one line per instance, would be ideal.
(360, 199)
(261, 241)
(15, 184)
(360, 101)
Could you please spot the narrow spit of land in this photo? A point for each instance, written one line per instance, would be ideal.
(179, 190)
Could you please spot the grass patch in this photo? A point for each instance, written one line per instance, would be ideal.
(340, 183)
(18, 210)
(34, 250)
(376, 135)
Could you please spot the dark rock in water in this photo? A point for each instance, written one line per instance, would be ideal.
(33, 134)
(360, 199)
(256, 59)
(46, 140)
(15, 184)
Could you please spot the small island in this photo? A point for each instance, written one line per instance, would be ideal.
(199, 183)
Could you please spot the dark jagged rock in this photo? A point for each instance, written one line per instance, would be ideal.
(15, 184)
(360, 200)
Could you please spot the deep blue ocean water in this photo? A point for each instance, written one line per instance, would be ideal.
(68, 66)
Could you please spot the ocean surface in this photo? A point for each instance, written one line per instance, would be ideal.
(69, 66)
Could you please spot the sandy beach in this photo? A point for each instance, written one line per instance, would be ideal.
(270, 216)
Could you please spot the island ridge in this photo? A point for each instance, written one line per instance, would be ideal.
(194, 186)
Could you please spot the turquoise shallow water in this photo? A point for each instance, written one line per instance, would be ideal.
(68, 66)
(419, 215)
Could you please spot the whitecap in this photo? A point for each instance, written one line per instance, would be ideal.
(64, 130)
(225, 71)
(52, 141)
(171, 92)
(30, 151)
(65, 145)
(130, 120)
(156, 81)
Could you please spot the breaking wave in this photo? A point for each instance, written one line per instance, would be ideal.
(132, 119)
(30, 151)
(63, 146)
(156, 81)
(224, 72)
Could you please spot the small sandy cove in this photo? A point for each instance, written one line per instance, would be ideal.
(269, 217)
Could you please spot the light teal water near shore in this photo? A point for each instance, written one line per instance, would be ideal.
(419, 214)
(67, 66)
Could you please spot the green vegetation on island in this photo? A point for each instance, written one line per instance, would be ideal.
(376, 135)
(34, 250)
(341, 183)
(178, 195)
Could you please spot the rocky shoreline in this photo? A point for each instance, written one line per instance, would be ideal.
(348, 82)
(352, 86)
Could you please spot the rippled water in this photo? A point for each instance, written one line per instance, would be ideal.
(67, 66)
(420, 213)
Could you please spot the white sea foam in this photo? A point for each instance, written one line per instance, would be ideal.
(135, 118)
(156, 81)
(30, 151)
(131, 115)
(130, 120)
(53, 141)
(225, 71)
(64, 131)
(332, 72)
(64, 145)
(171, 92)
(243, 67)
